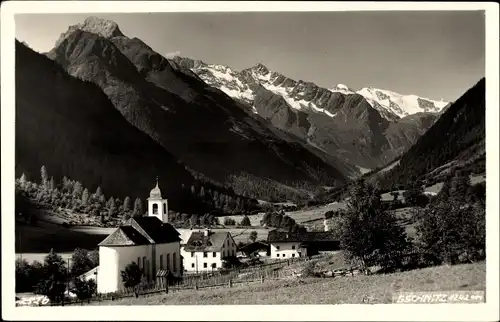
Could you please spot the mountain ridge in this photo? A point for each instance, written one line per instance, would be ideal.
(199, 124)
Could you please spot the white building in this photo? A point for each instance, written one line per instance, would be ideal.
(149, 241)
(286, 245)
(205, 250)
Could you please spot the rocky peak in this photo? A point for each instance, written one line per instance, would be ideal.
(102, 27)
(260, 69)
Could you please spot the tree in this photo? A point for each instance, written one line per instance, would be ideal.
(111, 207)
(54, 275)
(138, 210)
(459, 187)
(132, 275)
(22, 181)
(246, 221)
(94, 258)
(229, 222)
(194, 221)
(452, 231)
(52, 184)
(126, 204)
(44, 176)
(23, 276)
(85, 289)
(85, 197)
(78, 190)
(80, 262)
(253, 236)
(370, 235)
(414, 196)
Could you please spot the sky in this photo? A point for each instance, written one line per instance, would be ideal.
(437, 55)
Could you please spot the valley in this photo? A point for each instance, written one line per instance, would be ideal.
(189, 172)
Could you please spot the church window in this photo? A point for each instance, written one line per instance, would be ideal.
(155, 209)
(161, 261)
(168, 261)
(164, 208)
(139, 262)
(174, 259)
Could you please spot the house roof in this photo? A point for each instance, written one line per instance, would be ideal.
(310, 236)
(91, 272)
(184, 235)
(252, 247)
(198, 242)
(142, 231)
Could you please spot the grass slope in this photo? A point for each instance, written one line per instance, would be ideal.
(349, 290)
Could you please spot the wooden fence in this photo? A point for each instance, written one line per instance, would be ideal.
(248, 275)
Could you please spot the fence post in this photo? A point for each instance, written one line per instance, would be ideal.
(262, 279)
(230, 283)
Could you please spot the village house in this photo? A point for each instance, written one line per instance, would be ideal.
(256, 249)
(290, 245)
(149, 241)
(205, 250)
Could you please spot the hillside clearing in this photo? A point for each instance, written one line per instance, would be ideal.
(352, 290)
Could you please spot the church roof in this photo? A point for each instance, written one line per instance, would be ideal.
(155, 193)
(142, 231)
(198, 242)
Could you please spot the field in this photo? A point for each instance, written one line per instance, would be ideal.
(371, 289)
(435, 188)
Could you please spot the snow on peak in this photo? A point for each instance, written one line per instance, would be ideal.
(242, 86)
(399, 104)
(341, 88)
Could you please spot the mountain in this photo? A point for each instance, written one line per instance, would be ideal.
(455, 140)
(210, 132)
(367, 128)
(70, 126)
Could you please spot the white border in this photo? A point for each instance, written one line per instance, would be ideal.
(456, 312)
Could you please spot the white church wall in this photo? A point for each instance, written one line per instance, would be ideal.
(168, 252)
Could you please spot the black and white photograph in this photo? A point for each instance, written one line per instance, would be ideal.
(178, 158)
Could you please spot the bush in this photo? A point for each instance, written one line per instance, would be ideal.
(245, 222)
(85, 289)
(229, 222)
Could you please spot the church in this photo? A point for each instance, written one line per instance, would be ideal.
(149, 241)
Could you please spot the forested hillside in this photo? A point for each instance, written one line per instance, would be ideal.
(457, 139)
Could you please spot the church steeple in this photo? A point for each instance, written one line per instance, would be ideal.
(157, 206)
(155, 192)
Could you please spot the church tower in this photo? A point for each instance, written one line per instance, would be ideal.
(157, 207)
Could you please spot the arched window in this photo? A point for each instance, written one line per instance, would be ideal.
(168, 261)
(174, 260)
(164, 208)
(161, 261)
(155, 208)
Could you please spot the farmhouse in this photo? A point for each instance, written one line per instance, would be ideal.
(205, 250)
(149, 241)
(287, 245)
(258, 248)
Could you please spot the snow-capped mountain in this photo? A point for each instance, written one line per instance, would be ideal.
(242, 85)
(366, 128)
(401, 105)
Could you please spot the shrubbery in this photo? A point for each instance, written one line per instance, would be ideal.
(452, 229)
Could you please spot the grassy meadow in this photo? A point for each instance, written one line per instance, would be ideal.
(373, 289)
